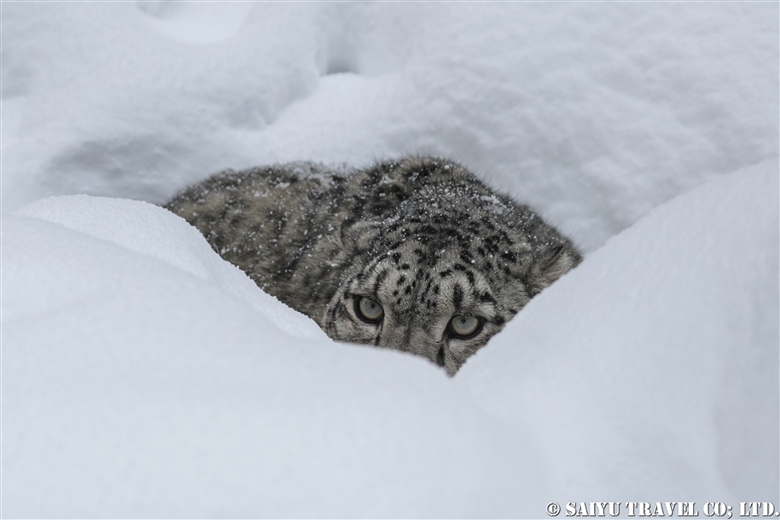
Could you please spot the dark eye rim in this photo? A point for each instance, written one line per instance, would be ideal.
(359, 314)
(454, 335)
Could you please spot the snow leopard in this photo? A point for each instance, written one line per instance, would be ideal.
(414, 254)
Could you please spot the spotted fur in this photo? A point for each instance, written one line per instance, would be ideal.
(420, 236)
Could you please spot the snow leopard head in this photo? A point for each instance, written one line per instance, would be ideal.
(441, 284)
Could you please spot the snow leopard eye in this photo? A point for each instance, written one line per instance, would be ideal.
(368, 310)
(465, 327)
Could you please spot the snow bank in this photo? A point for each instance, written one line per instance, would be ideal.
(593, 112)
(143, 376)
(652, 370)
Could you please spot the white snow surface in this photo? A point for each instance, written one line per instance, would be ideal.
(142, 376)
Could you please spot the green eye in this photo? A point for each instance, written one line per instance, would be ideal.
(465, 326)
(368, 310)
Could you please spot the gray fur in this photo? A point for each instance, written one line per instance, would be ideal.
(422, 236)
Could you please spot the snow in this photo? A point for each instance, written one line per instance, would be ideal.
(144, 376)
(143, 388)
(659, 364)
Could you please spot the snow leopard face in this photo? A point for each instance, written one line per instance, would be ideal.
(441, 291)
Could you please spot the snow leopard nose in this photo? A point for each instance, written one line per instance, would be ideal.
(395, 338)
(423, 345)
(407, 339)
(440, 356)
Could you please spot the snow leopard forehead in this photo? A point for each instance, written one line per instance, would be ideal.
(419, 281)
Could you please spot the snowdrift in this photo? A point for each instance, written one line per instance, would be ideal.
(142, 376)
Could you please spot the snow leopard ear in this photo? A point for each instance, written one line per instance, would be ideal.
(357, 236)
(550, 264)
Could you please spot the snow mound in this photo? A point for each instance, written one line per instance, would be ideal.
(593, 112)
(134, 386)
(139, 382)
(146, 229)
(652, 369)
